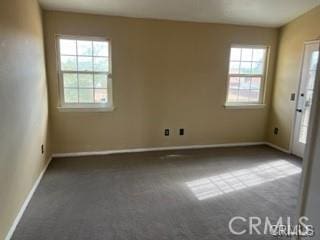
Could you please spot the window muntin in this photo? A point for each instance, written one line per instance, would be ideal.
(85, 72)
(246, 75)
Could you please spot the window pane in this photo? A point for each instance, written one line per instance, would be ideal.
(100, 95)
(85, 48)
(84, 69)
(234, 67)
(67, 47)
(254, 96)
(232, 95)
(314, 60)
(246, 54)
(68, 63)
(311, 79)
(234, 83)
(70, 95)
(85, 63)
(255, 83)
(101, 49)
(245, 68)
(85, 80)
(70, 80)
(243, 87)
(245, 83)
(306, 117)
(243, 95)
(235, 54)
(258, 55)
(100, 81)
(101, 64)
(303, 134)
(257, 68)
(86, 95)
(308, 100)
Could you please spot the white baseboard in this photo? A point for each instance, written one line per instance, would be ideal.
(277, 147)
(26, 202)
(106, 152)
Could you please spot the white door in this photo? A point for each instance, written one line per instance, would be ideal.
(304, 98)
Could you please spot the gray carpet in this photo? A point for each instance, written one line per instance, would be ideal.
(157, 195)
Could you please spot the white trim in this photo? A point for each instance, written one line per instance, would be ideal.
(132, 150)
(26, 202)
(297, 91)
(254, 46)
(244, 106)
(263, 76)
(89, 109)
(277, 147)
(312, 41)
(66, 107)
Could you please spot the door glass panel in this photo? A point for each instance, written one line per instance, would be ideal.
(308, 92)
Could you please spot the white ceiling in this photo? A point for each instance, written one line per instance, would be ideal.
(272, 13)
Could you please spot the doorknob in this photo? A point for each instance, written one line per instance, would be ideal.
(299, 110)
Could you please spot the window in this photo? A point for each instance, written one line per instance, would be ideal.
(246, 75)
(85, 72)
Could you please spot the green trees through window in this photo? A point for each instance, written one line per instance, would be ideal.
(85, 69)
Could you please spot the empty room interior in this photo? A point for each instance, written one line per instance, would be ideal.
(159, 119)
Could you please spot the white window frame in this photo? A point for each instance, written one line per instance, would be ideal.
(261, 102)
(100, 107)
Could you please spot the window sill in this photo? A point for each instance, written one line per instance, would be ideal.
(86, 109)
(244, 106)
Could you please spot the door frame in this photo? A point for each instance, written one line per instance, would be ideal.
(297, 90)
(310, 154)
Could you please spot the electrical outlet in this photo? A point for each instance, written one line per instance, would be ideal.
(42, 149)
(167, 132)
(181, 131)
(275, 131)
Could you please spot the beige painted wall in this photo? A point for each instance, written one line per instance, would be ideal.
(291, 44)
(166, 74)
(23, 105)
